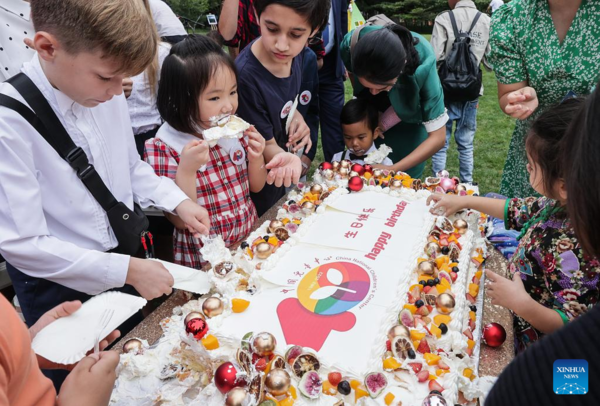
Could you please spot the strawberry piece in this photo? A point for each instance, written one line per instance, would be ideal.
(423, 376)
(443, 242)
(334, 378)
(261, 364)
(388, 345)
(433, 385)
(416, 293)
(426, 289)
(430, 308)
(442, 365)
(470, 298)
(416, 366)
(411, 298)
(476, 280)
(453, 275)
(468, 333)
(469, 351)
(423, 346)
(472, 325)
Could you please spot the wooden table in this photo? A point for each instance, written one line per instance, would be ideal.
(492, 360)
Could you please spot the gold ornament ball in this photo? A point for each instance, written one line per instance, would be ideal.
(336, 166)
(264, 344)
(278, 382)
(134, 345)
(395, 184)
(236, 397)
(328, 174)
(213, 306)
(193, 315)
(346, 164)
(344, 172)
(445, 303)
(461, 226)
(432, 249)
(308, 206)
(427, 267)
(274, 225)
(316, 189)
(397, 331)
(263, 250)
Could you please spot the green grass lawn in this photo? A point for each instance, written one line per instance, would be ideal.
(494, 130)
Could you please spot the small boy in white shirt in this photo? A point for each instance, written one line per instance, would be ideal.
(55, 236)
(360, 126)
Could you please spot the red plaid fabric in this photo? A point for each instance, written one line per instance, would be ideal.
(248, 29)
(223, 189)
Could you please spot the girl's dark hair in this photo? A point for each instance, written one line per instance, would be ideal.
(581, 149)
(380, 56)
(543, 141)
(316, 12)
(184, 75)
(359, 110)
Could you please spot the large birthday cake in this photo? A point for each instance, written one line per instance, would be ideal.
(354, 294)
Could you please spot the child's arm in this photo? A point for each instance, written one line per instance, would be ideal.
(194, 155)
(450, 204)
(513, 296)
(256, 161)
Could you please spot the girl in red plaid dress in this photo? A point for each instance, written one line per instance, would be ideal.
(198, 82)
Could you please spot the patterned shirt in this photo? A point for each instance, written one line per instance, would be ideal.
(248, 30)
(526, 47)
(554, 270)
(223, 188)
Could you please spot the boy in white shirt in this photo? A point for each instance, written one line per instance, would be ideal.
(54, 235)
(360, 127)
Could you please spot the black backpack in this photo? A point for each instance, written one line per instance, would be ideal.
(460, 73)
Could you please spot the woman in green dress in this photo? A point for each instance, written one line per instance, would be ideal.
(397, 69)
(541, 51)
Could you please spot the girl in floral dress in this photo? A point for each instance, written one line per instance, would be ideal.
(541, 50)
(199, 82)
(552, 280)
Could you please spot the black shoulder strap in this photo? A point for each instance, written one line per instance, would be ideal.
(474, 22)
(454, 26)
(45, 121)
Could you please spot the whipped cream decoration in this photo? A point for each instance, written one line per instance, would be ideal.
(377, 156)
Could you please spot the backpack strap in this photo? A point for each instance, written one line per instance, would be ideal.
(454, 25)
(474, 22)
(355, 35)
(45, 121)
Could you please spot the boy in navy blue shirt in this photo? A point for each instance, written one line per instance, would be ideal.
(270, 78)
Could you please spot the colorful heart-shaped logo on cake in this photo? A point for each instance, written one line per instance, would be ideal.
(333, 288)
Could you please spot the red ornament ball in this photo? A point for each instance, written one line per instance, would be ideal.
(494, 335)
(325, 165)
(355, 183)
(197, 327)
(368, 168)
(226, 378)
(358, 168)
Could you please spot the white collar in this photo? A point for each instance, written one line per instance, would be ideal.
(373, 148)
(173, 138)
(465, 3)
(18, 7)
(34, 71)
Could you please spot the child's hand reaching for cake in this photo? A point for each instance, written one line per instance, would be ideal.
(194, 156)
(445, 205)
(256, 144)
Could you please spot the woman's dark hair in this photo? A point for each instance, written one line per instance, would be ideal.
(184, 75)
(581, 149)
(543, 141)
(359, 110)
(380, 56)
(316, 12)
